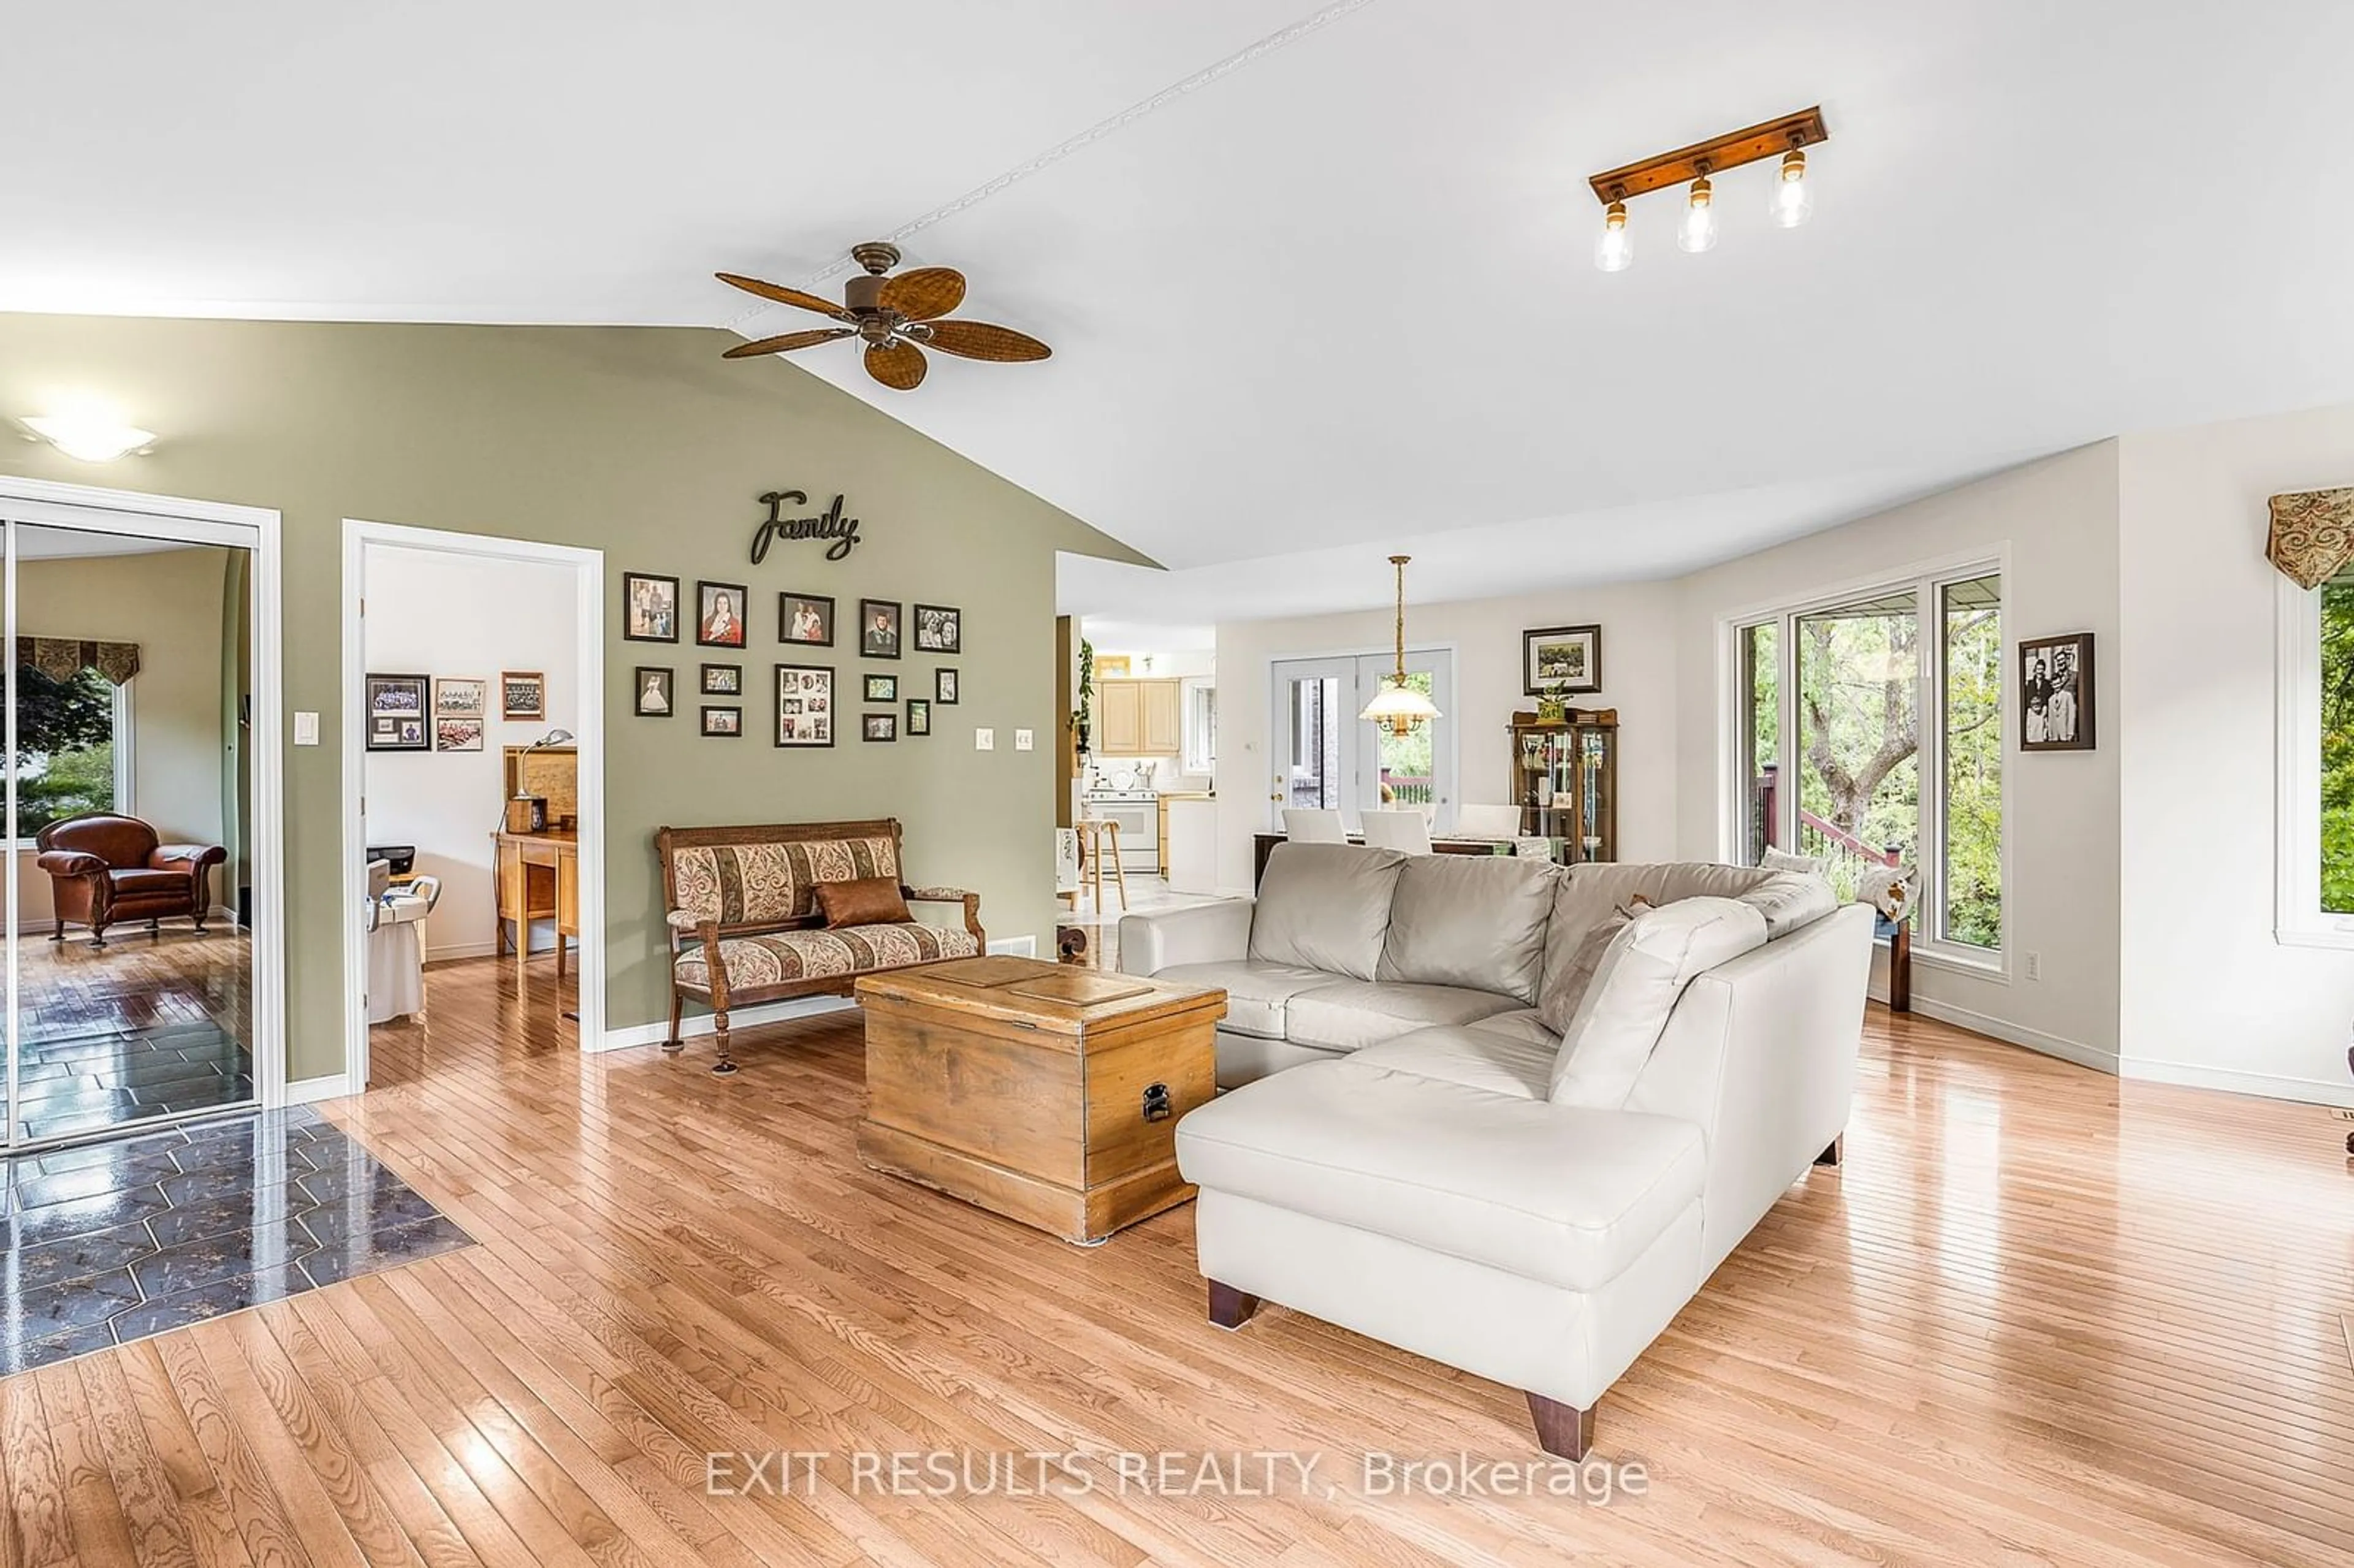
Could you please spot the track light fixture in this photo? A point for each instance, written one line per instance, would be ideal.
(1695, 168)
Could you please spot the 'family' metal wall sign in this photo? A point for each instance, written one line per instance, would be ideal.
(829, 525)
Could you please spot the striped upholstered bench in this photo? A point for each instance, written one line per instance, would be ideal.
(748, 922)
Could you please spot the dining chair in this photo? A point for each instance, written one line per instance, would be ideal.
(1486, 822)
(1312, 825)
(1409, 830)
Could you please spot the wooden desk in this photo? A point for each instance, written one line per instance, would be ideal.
(536, 876)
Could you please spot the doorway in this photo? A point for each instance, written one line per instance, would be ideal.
(508, 703)
(143, 947)
(1325, 755)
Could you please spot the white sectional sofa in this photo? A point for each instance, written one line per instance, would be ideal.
(1409, 1152)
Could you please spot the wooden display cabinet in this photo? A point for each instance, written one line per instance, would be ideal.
(1565, 779)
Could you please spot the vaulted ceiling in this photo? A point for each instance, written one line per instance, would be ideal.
(1318, 280)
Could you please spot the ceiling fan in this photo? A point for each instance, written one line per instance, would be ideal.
(894, 315)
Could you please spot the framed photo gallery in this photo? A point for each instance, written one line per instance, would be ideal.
(447, 713)
(656, 608)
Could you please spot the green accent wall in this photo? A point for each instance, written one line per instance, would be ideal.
(643, 443)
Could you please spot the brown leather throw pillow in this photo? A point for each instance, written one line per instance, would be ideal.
(868, 901)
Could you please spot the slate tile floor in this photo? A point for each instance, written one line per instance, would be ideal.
(86, 1080)
(113, 1242)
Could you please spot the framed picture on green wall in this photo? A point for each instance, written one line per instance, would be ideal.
(804, 705)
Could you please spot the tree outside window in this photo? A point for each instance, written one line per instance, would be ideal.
(65, 748)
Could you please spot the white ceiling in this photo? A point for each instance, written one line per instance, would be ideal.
(1332, 298)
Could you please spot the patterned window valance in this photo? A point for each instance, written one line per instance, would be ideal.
(2312, 536)
(63, 658)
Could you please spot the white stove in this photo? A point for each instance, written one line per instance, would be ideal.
(1138, 812)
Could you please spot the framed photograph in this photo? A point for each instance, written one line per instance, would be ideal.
(882, 688)
(944, 687)
(1112, 666)
(728, 721)
(804, 705)
(522, 694)
(719, 615)
(457, 733)
(806, 619)
(649, 608)
(1561, 659)
(878, 628)
(396, 713)
(878, 727)
(939, 629)
(919, 715)
(461, 697)
(723, 680)
(654, 684)
(2055, 692)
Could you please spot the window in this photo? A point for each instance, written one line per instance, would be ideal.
(72, 747)
(1869, 730)
(2316, 875)
(1201, 726)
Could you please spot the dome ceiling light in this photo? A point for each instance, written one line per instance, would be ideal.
(1696, 168)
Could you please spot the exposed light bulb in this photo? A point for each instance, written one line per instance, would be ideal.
(1698, 232)
(1615, 251)
(1794, 200)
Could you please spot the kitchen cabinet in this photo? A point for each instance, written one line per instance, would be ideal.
(1138, 718)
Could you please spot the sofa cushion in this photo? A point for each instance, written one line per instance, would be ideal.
(863, 901)
(1255, 993)
(1789, 899)
(1525, 1024)
(1346, 1015)
(1512, 1063)
(1648, 966)
(1325, 907)
(140, 883)
(783, 958)
(1476, 921)
(1552, 1192)
(754, 883)
(1569, 976)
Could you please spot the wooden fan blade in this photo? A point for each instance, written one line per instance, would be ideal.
(979, 339)
(786, 342)
(785, 296)
(899, 366)
(925, 292)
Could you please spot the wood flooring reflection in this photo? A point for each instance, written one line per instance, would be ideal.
(2041, 1316)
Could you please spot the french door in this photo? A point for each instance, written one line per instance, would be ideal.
(1322, 754)
(129, 698)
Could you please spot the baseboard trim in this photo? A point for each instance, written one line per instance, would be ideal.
(2263, 1086)
(331, 1086)
(462, 950)
(1016, 947)
(2011, 1034)
(696, 1025)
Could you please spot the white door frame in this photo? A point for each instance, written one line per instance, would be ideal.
(256, 528)
(587, 567)
(1362, 671)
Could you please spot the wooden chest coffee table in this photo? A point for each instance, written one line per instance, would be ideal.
(1046, 1094)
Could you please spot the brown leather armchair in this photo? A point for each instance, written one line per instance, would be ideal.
(105, 870)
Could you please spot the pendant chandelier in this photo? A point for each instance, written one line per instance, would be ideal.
(1398, 705)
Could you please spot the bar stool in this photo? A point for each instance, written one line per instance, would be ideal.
(1099, 839)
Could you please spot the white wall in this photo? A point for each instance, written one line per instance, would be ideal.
(2056, 519)
(1638, 671)
(435, 614)
(2208, 995)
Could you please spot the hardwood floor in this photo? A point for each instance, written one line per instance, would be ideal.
(2038, 1315)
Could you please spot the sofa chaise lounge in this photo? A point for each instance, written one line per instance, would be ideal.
(1409, 1150)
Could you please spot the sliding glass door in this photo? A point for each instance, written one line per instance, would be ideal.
(128, 785)
(1323, 755)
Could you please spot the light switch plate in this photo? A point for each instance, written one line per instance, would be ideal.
(984, 740)
(1023, 740)
(306, 730)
